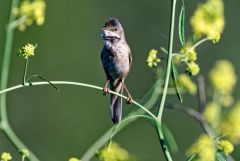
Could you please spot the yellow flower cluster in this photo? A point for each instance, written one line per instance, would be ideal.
(29, 12)
(212, 114)
(230, 125)
(208, 19)
(6, 156)
(225, 146)
(74, 159)
(192, 68)
(27, 51)
(223, 77)
(188, 56)
(152, 58)
(114, 153)
(204, 148)
(187, 84)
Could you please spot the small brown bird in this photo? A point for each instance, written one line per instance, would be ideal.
(116, 59)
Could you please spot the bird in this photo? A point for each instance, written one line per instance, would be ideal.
(116, 59)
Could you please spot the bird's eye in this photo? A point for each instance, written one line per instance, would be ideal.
(115, 28)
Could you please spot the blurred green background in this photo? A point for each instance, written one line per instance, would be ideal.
(57, 126)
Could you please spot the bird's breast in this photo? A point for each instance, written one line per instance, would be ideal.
(117, 63)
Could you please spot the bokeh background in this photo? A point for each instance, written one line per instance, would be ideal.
(57, 126)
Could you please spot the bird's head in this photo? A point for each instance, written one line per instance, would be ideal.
(112, 31)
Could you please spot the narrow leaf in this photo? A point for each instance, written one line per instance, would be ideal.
(192, 157)
(44, 79)
(176, 82)
(181, 31)
(220, 156)
(170, 140)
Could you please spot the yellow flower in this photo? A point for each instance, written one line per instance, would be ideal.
(189, 54)
(212, 113)
(39, 11)
(223, 77)
(187, 84)
(225, 146)
(74, 159)
(193, 68)
(152, 58)
(29, 12)
(208, 19)
(114, 153)
(227, 100)
(204, 149)
(27, 51)
(6, 156)
(230, 125)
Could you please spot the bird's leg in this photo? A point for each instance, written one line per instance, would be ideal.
(129, 99)
(105, 88)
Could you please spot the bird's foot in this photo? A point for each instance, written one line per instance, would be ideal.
(129, 100)
(105, 91)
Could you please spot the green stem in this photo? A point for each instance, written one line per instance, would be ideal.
(25, 71)
(197, 44)
(16, 141)
(105, 137)
(3, 85)
(76, 84)
(170, 47)
(165, 88)
(163, 142)
(154, 91)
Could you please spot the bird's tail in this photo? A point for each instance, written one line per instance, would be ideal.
(116, 102)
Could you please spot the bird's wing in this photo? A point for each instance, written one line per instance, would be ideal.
(130, 58)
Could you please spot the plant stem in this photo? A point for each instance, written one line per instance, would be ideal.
(3, 85)
(197, 44)
(105, 137)
(25, 71)
(155, 90)
(165, 88)
(170, 47)
(196, 115)
(76, 84)
(6, 61)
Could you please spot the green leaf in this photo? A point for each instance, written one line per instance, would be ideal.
(220, 156)
(191, 158)
(170, 140)
(181, 31)
(176, 82)
(44, 79)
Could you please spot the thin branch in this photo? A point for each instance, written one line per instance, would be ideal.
(76, 84)
(193, 113)
(25, 71)
(201, 93)
(196, 45)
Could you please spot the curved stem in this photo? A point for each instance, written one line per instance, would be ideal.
(76, 84)
(197, 44)
(155, 90)
(196, 115)
(3, 85)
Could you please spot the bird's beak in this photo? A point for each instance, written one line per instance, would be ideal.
(103, 28)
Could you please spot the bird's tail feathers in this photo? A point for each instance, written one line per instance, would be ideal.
(116, 102)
